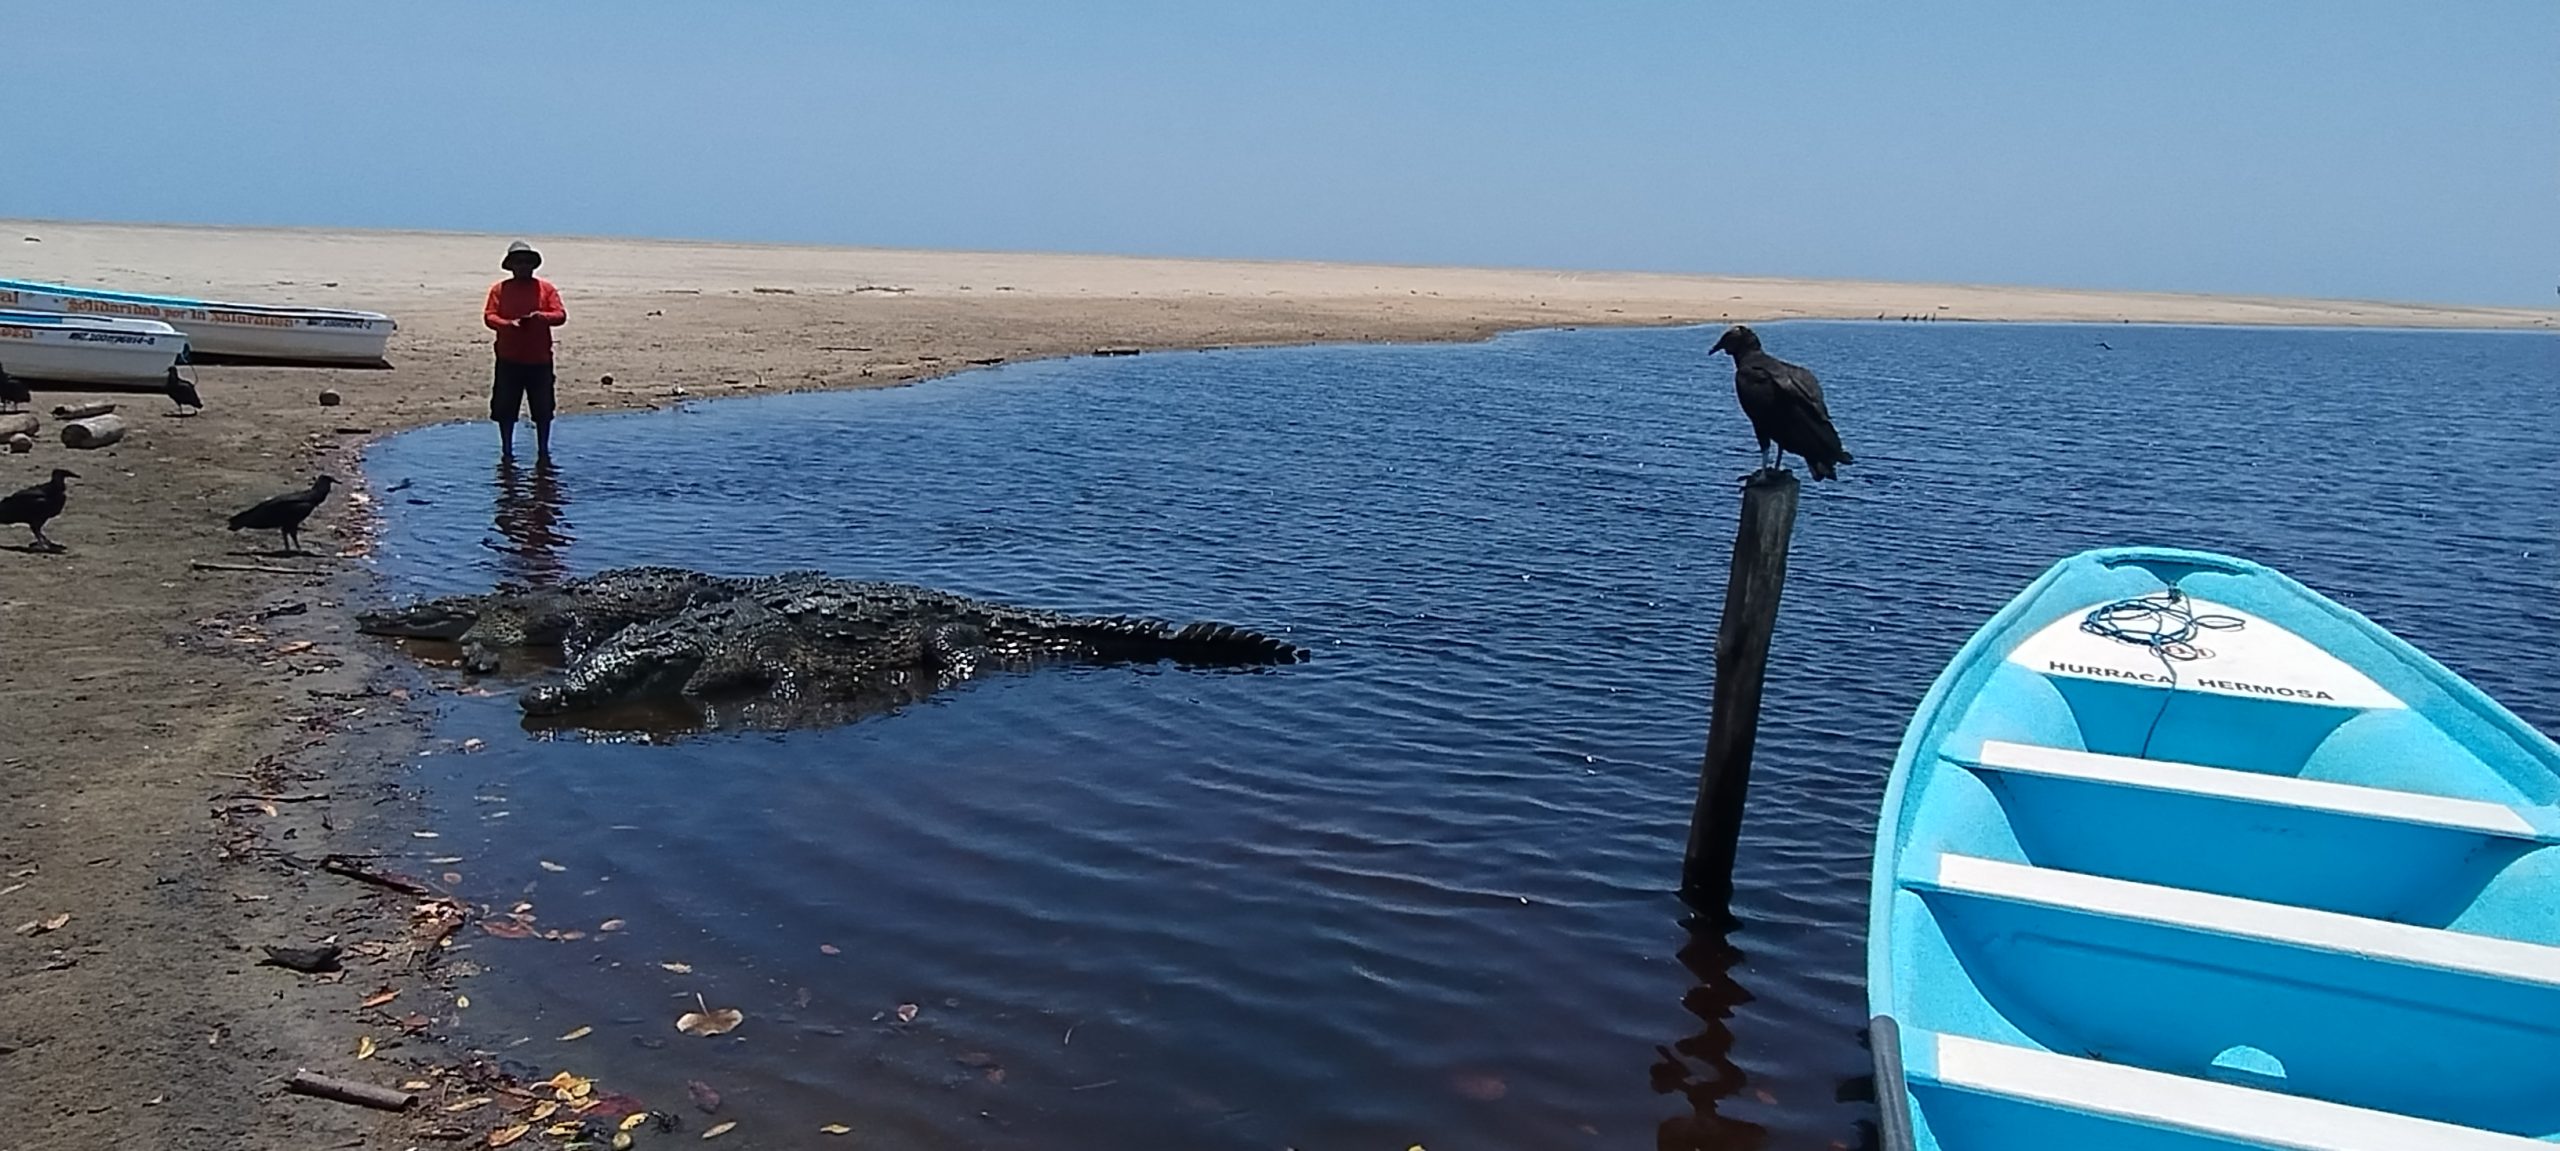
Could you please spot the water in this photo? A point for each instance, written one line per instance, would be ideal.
(1415, 891)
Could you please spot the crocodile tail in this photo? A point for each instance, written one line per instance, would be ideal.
(1205, 643)
(1208, 642)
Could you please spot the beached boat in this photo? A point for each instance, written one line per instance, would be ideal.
(2178, 854)
(219, 332)
(88, 349)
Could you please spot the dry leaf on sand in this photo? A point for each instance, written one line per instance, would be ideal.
(578, 1033)
(719, 1129)
(505, 1135)
(835, 1129)
(381, 997)
(364, 1047)
(907, 1012)
(633, 1121)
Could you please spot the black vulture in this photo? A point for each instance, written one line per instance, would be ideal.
(285, 513)
(33, 506)
(1785, 405)
(13, 392)
(182, 393)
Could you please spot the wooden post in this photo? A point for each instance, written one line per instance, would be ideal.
(1742, 656)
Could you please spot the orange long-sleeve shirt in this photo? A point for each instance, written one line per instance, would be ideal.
(532, 300)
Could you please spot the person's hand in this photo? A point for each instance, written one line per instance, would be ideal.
(521, 322)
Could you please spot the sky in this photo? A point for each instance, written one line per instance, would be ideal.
(2403, 151)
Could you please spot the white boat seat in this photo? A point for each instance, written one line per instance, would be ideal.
(2224, 1110)
(2251, 919)
(2472, 815)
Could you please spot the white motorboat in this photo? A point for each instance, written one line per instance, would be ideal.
(219, 331)
(88, 349)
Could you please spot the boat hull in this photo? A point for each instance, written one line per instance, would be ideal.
(218, 332)
(40, 346)
(2178, 853)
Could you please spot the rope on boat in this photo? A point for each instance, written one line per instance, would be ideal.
(2166, 624)
(2163, 621)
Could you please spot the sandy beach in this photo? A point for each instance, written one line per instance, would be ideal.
(181, 747)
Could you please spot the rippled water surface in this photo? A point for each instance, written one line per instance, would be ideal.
(1418, 890)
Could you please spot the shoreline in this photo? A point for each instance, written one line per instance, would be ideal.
(143, 692)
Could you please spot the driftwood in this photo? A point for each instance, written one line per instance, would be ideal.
(19, 423)
(94, 432)
(211, 566)
(1115, 351)
(81, 411)
(307, 1082)
(342, 865)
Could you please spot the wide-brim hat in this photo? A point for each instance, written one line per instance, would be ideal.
(521, 251)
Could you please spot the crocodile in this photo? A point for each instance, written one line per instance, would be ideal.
(795, 649)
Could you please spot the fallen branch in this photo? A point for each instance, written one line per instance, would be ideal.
(302, 797)
(306, 1082)
(341, 865)
(210, 566)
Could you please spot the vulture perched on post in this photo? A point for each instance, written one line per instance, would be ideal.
(1785, 405)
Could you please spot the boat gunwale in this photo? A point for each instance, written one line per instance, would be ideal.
(291, 311)
(138, 325)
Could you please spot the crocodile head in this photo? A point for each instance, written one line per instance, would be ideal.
(651, 660)
(443, 619)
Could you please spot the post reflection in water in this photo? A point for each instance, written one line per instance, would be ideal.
(1700, 1067)
(528, 520)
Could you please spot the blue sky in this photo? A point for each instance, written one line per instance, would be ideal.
(2403, 151)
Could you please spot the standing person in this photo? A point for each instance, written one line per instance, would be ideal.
(522, 309)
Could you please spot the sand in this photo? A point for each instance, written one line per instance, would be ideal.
(140, 694)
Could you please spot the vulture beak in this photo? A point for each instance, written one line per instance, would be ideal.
(1721, 345)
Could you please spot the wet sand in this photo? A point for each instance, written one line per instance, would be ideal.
(173, 758)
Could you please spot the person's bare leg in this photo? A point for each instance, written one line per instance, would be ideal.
(542, 440)
(507, 439)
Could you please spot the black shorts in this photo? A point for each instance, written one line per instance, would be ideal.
(518, 385)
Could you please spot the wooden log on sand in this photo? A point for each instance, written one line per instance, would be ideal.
(94, 432)
(19, 423)
(82, 411)
(305, 1082)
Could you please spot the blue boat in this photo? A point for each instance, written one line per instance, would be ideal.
(2178, 854)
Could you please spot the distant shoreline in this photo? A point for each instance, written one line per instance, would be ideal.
(409, 264)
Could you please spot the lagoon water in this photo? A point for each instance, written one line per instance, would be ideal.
(1419, 889)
